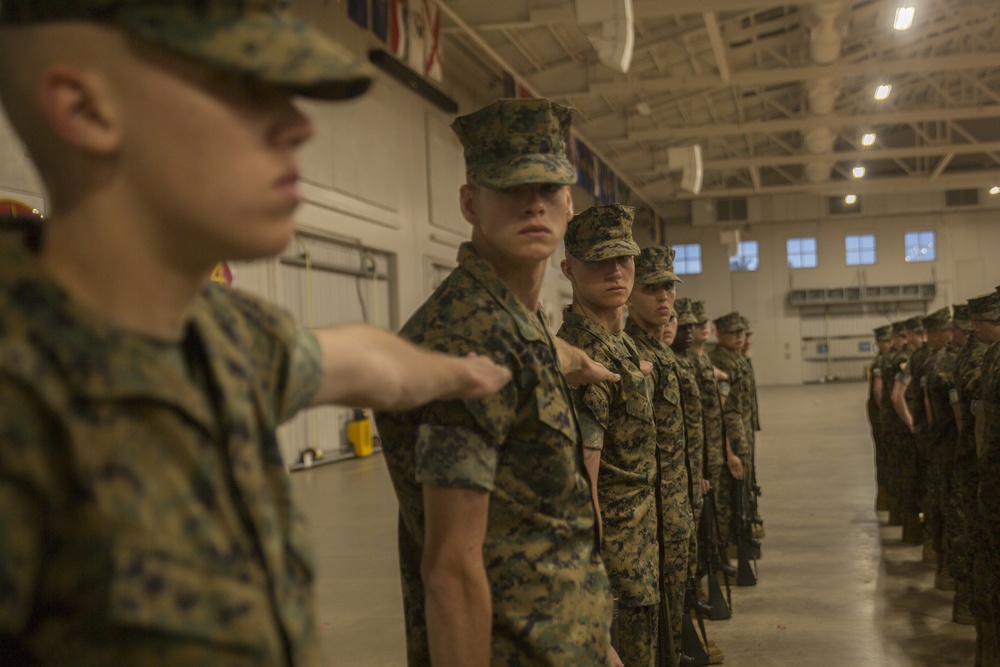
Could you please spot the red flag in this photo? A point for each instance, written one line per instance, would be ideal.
(432, 48)
(397, 28)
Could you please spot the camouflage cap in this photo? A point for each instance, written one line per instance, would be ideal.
(883, 332)
(729, 323)
(746, 325)
(698, 308)
(259, 38)
(961, 316)
(684, 314)
(601, 232)
(513, 142)
(938, 320)
(985, 307)
(899, 328)
(655, 265)
(914, 324)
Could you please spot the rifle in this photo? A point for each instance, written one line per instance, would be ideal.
(693, 652)
(747, 547)
(712, 557)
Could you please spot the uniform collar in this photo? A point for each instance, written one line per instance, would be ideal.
(531, 326)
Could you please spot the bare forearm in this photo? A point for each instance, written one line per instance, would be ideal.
(459, 617)
(592, 462)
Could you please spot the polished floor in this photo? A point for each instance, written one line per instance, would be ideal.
(836, 586)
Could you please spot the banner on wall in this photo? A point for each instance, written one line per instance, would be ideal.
(432, 42)
(397, 28)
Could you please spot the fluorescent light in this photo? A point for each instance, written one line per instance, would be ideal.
(882, 91)
(868, 139)
(850, 199)
(904, 18)
(995, 190)
(858, 171)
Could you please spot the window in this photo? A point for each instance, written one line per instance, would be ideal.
(919, 246)
(747, 257)
(801, 253)
(688, 259)
(860, 249)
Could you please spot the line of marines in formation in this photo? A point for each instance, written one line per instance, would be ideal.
(559, 525)
(934, 409)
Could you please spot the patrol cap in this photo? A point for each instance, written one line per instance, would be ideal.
(698, 308)
(516, 141)
(655, 265)
(914, 324)
(961, 316)
(986, 307)
(259, 38)
(899, 328)
(684, 314)
(938, 320)
(883, 333)
(729, 323)
(601, 232)
(746, 325)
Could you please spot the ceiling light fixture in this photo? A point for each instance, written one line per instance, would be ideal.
(850, 199)
(858, 171)
(995, 190)
(904, 18)
(868, 139)
(882, 91)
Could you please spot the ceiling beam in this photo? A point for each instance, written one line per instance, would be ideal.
(718, 45)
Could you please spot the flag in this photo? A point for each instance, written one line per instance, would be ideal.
(358, 11)
(380, 19)
(584, 166)
(397, 28)
(416, 31)
(432, 45)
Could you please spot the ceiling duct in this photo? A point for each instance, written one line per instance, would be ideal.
(825, 40)
(614, 36)
(687, 160)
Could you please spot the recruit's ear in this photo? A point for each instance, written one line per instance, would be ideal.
(79, 107)
(468, 204)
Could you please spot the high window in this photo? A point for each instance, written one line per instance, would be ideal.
(860, 249)
(920, 246)
(747, 257)
(801, 253)
(688, 258)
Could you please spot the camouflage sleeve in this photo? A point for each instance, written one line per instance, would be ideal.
(591, 432)
(26, 488)
(284, 353)
(595, 400)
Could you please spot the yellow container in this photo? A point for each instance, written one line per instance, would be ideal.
(359, 434)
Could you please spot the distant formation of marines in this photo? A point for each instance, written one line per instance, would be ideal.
(934, 410)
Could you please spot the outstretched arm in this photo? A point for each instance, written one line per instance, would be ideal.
(898, 398)
(364, 366)
(578, 368)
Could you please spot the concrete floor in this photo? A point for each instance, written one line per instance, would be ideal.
(836, 586)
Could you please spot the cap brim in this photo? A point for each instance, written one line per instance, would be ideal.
(275, 48)
(608, 249)
(658, 277)
(523, 170)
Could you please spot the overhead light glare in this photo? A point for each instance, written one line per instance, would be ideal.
(882, 91)
(850, 199)
(858, 171)
(904, 18)
(868, 139)
(995, 190)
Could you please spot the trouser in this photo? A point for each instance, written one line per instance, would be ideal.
(637, 635)
(674, 571)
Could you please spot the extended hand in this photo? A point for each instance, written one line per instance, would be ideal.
(477, 377)
(646, 367)
(706, 486)
(720, 375)
(614, 660)
(579, 369)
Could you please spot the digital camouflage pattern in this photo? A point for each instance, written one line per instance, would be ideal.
(897, 438)
(677, 524)
(941, 439)
(986, 307)
(915, 323)
(601, 232)
(685, 316)
(516, 141)
(260, 38)
(883, 333)
(551, 598)
(730, 323)
(655, 265)
(687, 372)
(989, 474)
(899, 328)
(637, 635)
(961, 316)
(736, 390)
(938, 320)
(711, 417)
(698, 308)
(626, 485)
(142, 491)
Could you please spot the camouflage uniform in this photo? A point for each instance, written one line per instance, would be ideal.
(551, 601)
(550, 594)
(736, 413)
(677, 525)
(875, 371)
(941, 436)
(145, 513)
(622, 412)
(897, 437)
(916, 475)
